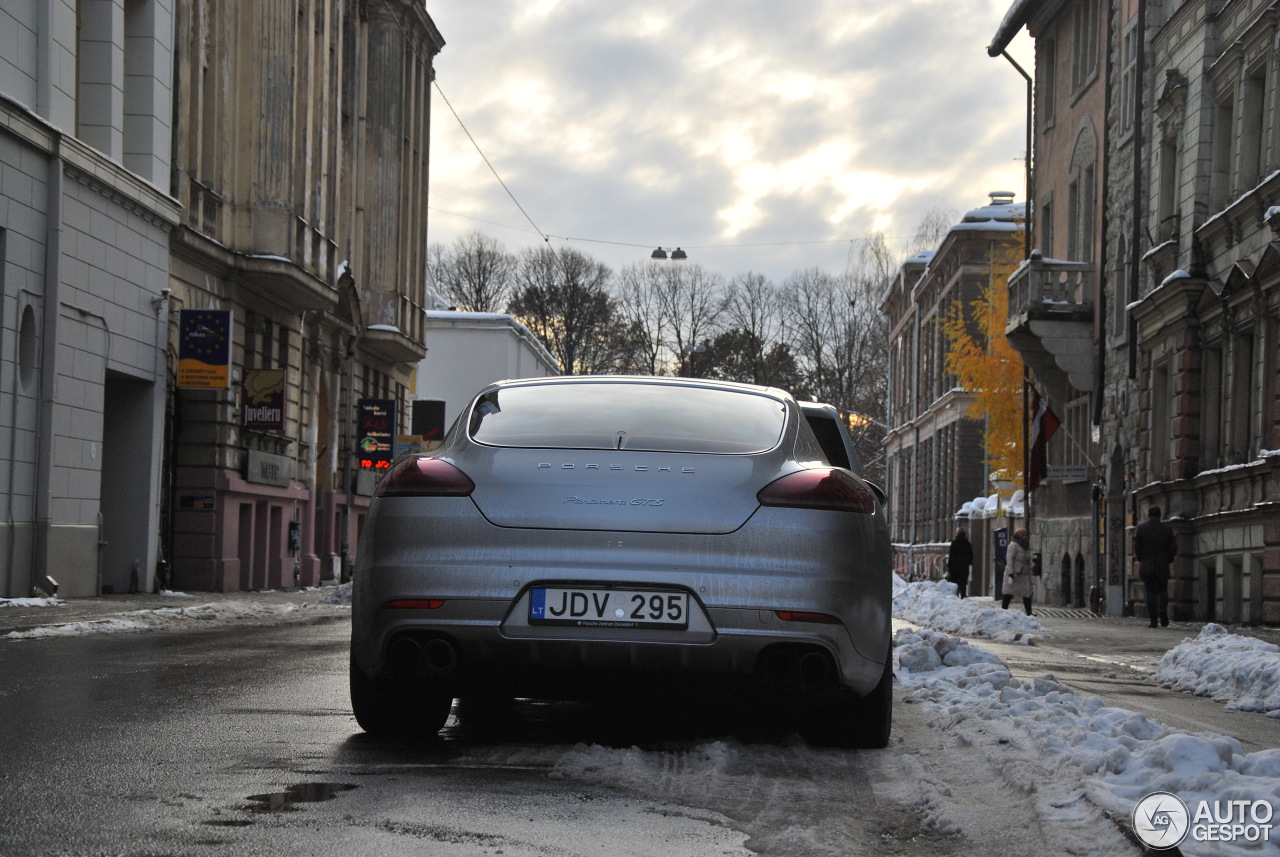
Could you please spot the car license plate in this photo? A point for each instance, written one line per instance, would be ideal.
(608, 608)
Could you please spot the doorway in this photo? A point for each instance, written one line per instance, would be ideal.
(125, 495)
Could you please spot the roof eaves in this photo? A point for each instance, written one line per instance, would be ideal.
(1014, 20)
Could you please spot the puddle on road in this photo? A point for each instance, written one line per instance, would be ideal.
(301, 793)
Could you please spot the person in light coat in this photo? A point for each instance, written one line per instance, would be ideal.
(1017, 581)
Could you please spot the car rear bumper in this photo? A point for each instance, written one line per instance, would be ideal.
(469, 647)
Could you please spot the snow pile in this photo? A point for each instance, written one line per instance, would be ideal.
(31, 602)
(176, 618)
(1243, 672)
(935, 605)
(341, 594)
(1117, 756)
(109, 625)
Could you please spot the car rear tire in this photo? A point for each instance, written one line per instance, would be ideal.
(397, 709)
(852, 721)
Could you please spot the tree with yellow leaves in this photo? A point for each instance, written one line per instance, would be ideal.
(986, 365)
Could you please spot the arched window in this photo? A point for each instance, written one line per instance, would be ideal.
(1082, 195)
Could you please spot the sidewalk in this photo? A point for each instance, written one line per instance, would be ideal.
(26, 618)
(1079, 620)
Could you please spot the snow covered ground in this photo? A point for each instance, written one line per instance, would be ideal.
(1242, 672)
(182, 615)
(1117, 757)
(1112, 756)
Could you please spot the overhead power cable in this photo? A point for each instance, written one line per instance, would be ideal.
(545, 236)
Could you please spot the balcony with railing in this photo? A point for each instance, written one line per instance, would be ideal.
(401, 341)
(1051, 319)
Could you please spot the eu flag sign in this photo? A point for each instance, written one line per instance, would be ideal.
(204, 349)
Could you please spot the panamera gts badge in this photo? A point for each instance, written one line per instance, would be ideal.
(617, 468)
(593, 501)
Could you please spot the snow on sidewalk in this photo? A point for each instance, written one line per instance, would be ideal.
(1241, 671)
(238, 612)
(1114, 756)
(934, 604)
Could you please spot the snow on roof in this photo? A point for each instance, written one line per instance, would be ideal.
(462, 318)
(1000, 211)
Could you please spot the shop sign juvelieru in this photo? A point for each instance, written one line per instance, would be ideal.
(263, 407)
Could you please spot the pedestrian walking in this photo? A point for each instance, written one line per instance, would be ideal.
(1155, 549)
(1017, 580)
(959, 561)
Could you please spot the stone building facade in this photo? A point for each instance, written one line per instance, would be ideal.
(85, 216)
(1185, 348)
(266, 159)
(935, 463)
(1208, 315)
(301, 162)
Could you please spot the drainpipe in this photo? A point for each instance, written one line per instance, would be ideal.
(348, 452)
(1029, 177)
(40, 579)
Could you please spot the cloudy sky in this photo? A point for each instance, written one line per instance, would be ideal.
(762, 136)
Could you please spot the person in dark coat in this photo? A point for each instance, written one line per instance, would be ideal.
(959, 560)
(1155, 549)
(1017, 581)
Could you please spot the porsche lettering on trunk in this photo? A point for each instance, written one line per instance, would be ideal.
(639, 468)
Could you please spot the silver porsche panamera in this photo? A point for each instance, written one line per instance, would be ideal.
(626, 537)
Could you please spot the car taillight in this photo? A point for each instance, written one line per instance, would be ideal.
(424, 477)
(806, 616)
(416, 604)
(820, 488)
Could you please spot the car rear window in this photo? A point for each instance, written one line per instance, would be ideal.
(637, 417)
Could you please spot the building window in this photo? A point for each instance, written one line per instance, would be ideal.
(1119, 290)
(1160, 424)
(1128, 79)
(1211, 409)
(1045, 230)
(1084, 56)
(1168, 200)
(1253, 124)
(1073, 441)
(1221, 153)
(1048, 60)
(1245, 404)
(1081, 197)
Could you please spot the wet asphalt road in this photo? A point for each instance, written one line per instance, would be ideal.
(241, 742)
